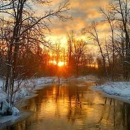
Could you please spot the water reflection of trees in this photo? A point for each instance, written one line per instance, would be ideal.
(73, 103)
(118, 114)
(112, 110)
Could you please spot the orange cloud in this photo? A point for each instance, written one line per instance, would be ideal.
(83, 12)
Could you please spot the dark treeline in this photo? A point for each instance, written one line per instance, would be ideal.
(35, 61)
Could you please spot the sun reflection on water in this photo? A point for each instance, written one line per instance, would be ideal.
(69, 107)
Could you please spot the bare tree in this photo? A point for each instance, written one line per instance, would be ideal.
(109, 17)
(71, 40)
(79, 51)
(93, 34)
(76, 53)
(121, 9)
(23, 21)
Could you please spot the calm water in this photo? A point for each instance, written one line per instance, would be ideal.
(74, 107)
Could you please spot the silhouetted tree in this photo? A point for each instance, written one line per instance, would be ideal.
(23, 29)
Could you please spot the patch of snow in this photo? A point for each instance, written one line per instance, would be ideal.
(4, 106)
(3, 95)
(26, 87)
(121, 89)
(15, 111)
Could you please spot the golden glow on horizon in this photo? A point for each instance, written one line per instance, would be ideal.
(82, 17)
(60, 63)
(53, 62)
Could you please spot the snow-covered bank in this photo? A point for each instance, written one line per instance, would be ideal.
(26, 88)
(118, 90)
(24, 91)
(87, 78)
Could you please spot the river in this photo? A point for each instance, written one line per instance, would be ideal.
(73, 106)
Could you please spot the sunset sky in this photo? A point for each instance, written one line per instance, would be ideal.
(83, 12)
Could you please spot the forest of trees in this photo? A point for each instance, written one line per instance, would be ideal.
(24, 52)
(114, 47)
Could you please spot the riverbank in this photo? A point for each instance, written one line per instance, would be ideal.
(64, 106)
(28, 89)
(117, 90)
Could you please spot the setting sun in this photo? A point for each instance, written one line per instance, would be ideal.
(61, 63)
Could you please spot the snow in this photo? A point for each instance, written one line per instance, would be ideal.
(28, 86)
(15, 111)
(118, 89)
(5, 106)
(87, 78)
(3, 95)
(25, 89)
